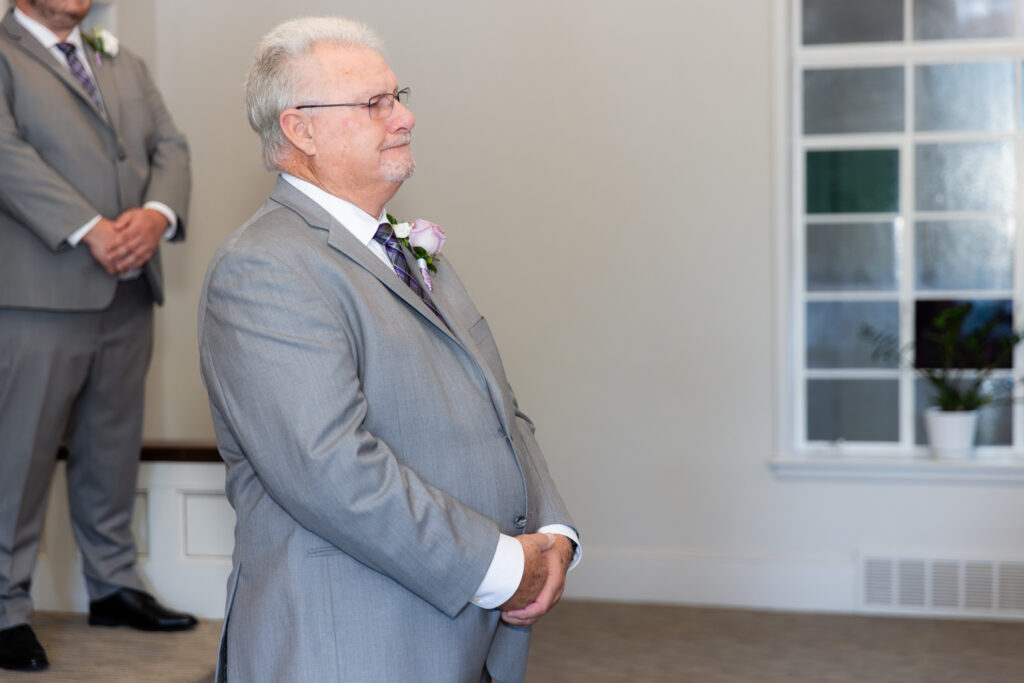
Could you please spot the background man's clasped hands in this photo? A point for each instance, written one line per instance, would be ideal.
(128, 242)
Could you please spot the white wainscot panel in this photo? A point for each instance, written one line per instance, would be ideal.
(184, 531)
(209, 525)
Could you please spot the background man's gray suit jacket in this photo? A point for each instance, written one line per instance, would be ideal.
(373, 456)
(63, 161)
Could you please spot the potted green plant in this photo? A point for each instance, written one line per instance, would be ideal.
(956, 356)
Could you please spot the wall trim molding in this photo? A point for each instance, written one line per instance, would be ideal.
(986, 470)
(170, 452)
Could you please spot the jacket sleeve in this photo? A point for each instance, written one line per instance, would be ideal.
(169, 159)
(282, 372)
(31, 191)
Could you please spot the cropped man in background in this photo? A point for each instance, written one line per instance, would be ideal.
(93, 176)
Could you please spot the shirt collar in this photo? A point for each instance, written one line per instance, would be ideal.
(44, 35)
(361, 224)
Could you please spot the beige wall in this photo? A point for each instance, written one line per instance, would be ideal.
(634, 142)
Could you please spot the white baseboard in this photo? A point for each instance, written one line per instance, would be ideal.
(773, 583)
(813, 584)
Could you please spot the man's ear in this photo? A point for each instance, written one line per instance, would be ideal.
(298, 130)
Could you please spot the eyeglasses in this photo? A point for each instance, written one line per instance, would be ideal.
(379, 106)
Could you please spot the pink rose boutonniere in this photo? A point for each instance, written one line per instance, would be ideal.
(424, 239)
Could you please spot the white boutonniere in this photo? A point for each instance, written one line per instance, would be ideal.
(103, 42)
(424, 239)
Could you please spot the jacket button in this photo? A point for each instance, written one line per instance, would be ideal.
(520, 521)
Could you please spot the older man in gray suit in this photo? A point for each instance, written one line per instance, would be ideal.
(93, 175)
(395, 517)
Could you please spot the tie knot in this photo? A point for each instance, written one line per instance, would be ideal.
(384, 233)
(67, 48)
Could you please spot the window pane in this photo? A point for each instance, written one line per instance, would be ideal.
(853, 100)
(964, 96)
(843, 21)
(855, 410)
(959, 19)
(973, 176)
(995, 422)
(851, 257)
(982, 338)
(963, 255)
(853, 181)
(835, 332)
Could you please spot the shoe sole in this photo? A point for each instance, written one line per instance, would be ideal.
(113, 623)
(34, 666)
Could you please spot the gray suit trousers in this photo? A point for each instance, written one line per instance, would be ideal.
(79, 376)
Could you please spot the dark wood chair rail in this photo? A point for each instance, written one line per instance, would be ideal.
(170, 453)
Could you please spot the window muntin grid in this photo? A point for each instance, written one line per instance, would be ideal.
(905, 163)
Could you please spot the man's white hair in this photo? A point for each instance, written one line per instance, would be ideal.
(273, 81)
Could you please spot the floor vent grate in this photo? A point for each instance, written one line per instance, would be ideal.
(942, 586)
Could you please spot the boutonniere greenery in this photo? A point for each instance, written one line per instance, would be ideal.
(424, 239)
(102, 41)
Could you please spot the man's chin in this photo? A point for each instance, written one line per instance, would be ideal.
(399, 172)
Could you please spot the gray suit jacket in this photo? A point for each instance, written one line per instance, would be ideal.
(373, 455)
(63, 161)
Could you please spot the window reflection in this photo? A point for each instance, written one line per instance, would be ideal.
(843, 21)
(974, 96)
(963, 19)
(853, 100)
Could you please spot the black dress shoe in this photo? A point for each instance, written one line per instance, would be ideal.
(20, 649)
(129, 607)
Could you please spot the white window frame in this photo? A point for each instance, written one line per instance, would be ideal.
(794, 457)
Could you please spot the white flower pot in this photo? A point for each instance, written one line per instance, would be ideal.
(951, 433)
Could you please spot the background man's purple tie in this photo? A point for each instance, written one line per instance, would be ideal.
(386, 236)
(79, 72)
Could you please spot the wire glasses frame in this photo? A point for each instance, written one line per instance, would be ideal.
(378, 106)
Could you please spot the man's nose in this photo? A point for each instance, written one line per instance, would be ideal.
(402, 116)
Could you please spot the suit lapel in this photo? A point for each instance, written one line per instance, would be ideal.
(458, 332)
(27, 42)
(494, 387)
(102, 72)
(449, 326)
(340, 239)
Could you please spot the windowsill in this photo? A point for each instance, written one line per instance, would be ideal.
(899, 466)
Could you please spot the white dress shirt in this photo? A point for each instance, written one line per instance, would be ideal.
(509, 561)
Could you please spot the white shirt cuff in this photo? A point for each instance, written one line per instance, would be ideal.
(568, 532)
(503, 576)
(172, 218)
(168, 213)
(506, 571)
(77, 235)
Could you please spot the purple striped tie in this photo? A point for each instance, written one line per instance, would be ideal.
(79, 72)
(386, 236)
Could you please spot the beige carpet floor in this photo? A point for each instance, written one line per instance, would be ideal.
(79, 652)
(618, 643)
(594, 642)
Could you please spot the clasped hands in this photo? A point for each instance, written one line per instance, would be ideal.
(547, 560)
(127, 242)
